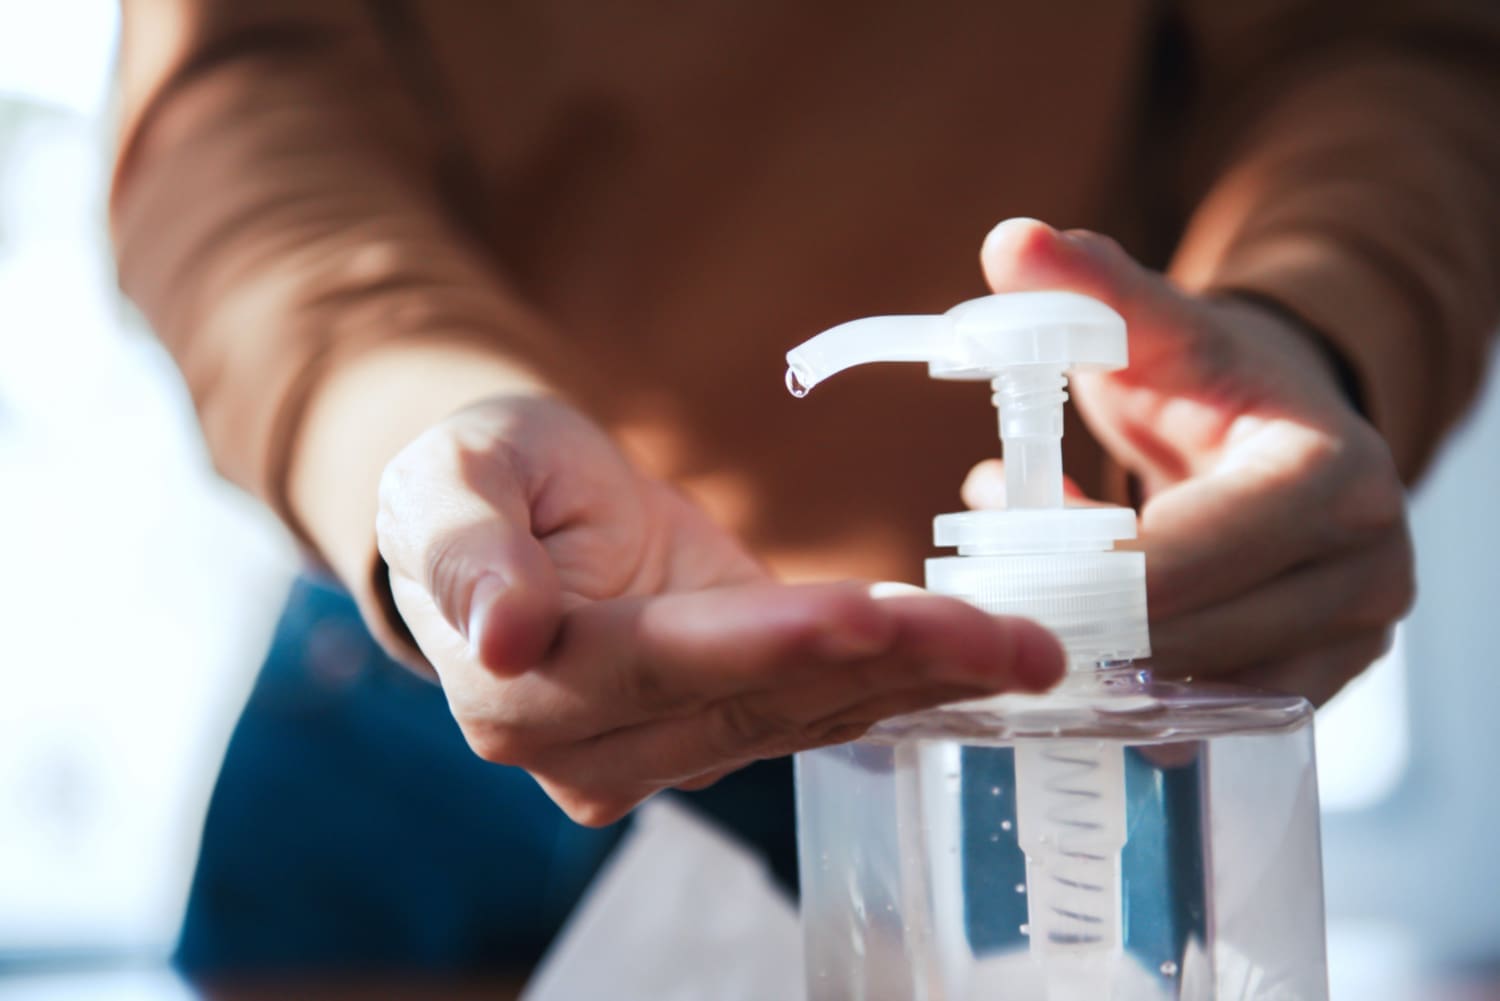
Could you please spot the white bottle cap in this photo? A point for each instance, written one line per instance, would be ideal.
(1037, 558)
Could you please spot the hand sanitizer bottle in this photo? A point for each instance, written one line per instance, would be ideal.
(1116, 838)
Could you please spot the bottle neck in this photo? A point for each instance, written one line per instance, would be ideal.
(1094, 602)
(1116, 676)
(1029, 399)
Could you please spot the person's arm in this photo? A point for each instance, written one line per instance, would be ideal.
(1342, 262)
(278, 216)
(279, 219)
(1342, 166)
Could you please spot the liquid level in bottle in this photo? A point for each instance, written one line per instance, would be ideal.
(915, 882)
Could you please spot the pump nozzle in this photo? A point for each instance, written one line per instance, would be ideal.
(977, 339)
(859, 342)
(1023, 342)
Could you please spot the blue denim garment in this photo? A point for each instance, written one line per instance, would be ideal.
(352, 828)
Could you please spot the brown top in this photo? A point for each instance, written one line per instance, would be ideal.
(648, 203)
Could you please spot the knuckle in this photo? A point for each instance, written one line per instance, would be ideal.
(1370, 647)
(644, 688)
(1169, 588)
(481, 461)
(472, 453)
(1327, 454)
(443, 564)
(701, 782)
(411, 490)
(1389, 591)
(740, 725)
(639, 682)
(591, 809)
(840, 732)
(1370, 498)
(574, 782)
(1215, 355)
(1397, 596)
(501, 745)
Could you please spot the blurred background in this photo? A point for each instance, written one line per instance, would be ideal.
(139, 593)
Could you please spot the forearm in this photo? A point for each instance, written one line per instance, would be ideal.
(278, 219)
(1353, 194)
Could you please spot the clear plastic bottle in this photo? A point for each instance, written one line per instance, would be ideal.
(914, 859)
(1117, 838)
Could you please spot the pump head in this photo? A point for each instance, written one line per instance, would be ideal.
(978, 339)
(1037, 557)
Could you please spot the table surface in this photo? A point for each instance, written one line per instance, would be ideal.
(150, 984)
(361, 989)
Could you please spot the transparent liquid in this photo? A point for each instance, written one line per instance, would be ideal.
(915, 882)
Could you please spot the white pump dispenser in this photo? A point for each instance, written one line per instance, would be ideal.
(1167, 834)
(1042, 560)
(1036, 558)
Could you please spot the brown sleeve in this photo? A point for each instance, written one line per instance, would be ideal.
(277, 215)
(1344, 159)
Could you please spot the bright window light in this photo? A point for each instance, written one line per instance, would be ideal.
(58, 52)
(1364, 736)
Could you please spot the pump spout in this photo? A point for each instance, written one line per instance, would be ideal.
(978, 339)
(858, 342)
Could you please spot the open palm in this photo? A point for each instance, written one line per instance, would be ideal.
(592, 625)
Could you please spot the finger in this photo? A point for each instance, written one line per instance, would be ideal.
(1216, 536)
(698, 783)
(1185, 373)
(922, 669)
(599, 781)
(455, 519)
(1320, 674)
(1347, 594)
(865, 714)
(984, 488)
(1167, 338)
(623, 662)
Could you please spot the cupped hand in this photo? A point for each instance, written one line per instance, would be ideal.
(1274, 519)
(593, 626)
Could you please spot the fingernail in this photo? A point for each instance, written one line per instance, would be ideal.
(486, 592)
(1007, 226)
(893, 589)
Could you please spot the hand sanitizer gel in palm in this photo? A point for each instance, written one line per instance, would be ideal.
(1116, 838)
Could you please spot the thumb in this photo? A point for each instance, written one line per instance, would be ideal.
(464, 536)
(1167, 336)
(514, 606)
